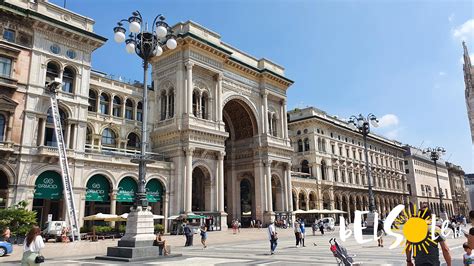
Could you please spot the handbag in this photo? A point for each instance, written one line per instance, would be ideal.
(39, 259)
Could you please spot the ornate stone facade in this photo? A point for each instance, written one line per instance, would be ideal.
(328, 167)
(458, 189)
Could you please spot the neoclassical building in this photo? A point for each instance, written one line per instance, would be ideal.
(458, 189)
(219, 136)
(328, 167)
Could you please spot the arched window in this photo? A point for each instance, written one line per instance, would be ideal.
(306, 144)
(2, 127)
(68, 80)
(300, 145)
(49, 135)
(320, 145)
(305, 166)
(129, 109)
(204, 99)
(163, 105)
(108, 137)
(133, 141)
(117, 106)
(139, 111)
(52, 72)
(274, 125)
(88, 135)
(92, 101)
(104, 104)
(195, 103)
(171, 103)
(323, 170)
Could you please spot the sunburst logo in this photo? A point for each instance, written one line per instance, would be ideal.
(415, 229)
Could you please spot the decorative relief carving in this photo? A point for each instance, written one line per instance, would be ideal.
(205, 59)
(167, 72)
(240, 78)
(233, 86)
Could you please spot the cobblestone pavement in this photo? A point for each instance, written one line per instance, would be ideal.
(248, 247)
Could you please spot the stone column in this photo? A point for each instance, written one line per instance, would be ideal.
(270, 131)
(189, 180)
(167, 107)
(67, 135)
(199, 107)
(111, 105)
(265, 112)
(41, 129)
(113, 204)
(189, 83)
(268, 166)
(219, 97)
(221, 181)
(165, 211)
(283, 118)
(284, 121)
(122, 115)
(289, 187)
(285, 190)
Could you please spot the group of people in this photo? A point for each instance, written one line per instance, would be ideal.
(300, 232)
(189, 234)
(318, 225)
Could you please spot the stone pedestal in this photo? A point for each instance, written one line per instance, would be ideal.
(370, 220)
(224, 221)
(137, 243)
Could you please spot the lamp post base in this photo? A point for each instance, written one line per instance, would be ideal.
(370, 221)
(137, 243)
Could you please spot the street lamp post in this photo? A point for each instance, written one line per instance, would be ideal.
(362, 124)
(146, 44)
(435, 154)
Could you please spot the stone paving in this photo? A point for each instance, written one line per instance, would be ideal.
(248, 247)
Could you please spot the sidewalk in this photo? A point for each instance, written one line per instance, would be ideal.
(91, 249)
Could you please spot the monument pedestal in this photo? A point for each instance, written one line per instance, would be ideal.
(137, 243)
(370, 221)
(224, 221)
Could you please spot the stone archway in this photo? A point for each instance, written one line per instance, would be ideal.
(201, 190)
(277, 194)
(247, 201)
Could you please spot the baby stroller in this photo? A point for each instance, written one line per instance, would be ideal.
(340, 253)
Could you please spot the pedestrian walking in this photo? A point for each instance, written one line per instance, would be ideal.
(380, 233)
(203, 236)
(314, 227)
(239, 225)
(32, 247)
(297, 233)
(273, 237)
(303, 232)
(188, 232)
(6, 234)
(321, 227)
(234, 227)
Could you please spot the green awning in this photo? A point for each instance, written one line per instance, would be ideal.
(49, 185)
(127, 189)
(154, 190)
(98, 189)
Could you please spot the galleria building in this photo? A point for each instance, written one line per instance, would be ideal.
(221, 138)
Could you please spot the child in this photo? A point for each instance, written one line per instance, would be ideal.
(468, 258)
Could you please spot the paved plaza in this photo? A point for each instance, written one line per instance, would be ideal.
(249, 247)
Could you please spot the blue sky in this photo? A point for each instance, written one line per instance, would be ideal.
(397, 59)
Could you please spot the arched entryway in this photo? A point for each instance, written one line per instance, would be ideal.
(98, 190)
(277, 194)
(326, 201)
(127, 188)
(241, 125)
(201, 200)
(247, 199)
(48, 197)
(3, 189)
(302, 201)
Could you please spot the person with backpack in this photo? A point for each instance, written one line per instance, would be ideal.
(272, 236)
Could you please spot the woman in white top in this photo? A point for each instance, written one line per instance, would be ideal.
(32, 246)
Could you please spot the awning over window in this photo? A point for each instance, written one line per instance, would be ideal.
(154, 190)
(98, 189)
(49, 185)
(127, 189)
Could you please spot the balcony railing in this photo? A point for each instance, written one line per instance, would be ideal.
(8, 82)
(116, 152)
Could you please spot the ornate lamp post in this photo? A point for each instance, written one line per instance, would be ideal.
(362, 124)
(435, 154)
(137, 242)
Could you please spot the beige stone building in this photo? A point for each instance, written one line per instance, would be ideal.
(216, 116)
(469, 91)
(458, 189)
(422, 182)
(328, 166)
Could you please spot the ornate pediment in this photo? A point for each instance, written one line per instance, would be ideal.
(7, 104)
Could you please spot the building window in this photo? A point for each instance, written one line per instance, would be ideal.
(300, 145)
(298, 132)
(55, 49)
(2, 127)
(139, 111)
(49, 134)
(323, 170)
(129, 109)
(52, 72)
(9, 35)
(68, 80)
(92, 101)
(335, 176)
(5, 67)
(171, 104)
(306, 144)
(333, 149)
(71, 54)
(195, 103)
(133, 141)
(104, 104)
(163, 105)
(117, 107)
(108, 137)
(204, 99)
(305, 166)
(274, 128)
(340, 151)
(409, 189)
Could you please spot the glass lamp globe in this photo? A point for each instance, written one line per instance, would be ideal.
(130, 47)
(135, 27)
(161, 31)
(171, 44)
(119, 36)
(158, 51)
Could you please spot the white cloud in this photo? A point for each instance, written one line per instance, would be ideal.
(441, 73)
(465, 31)
(388, 120)
(451, 17)
(392, 134)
